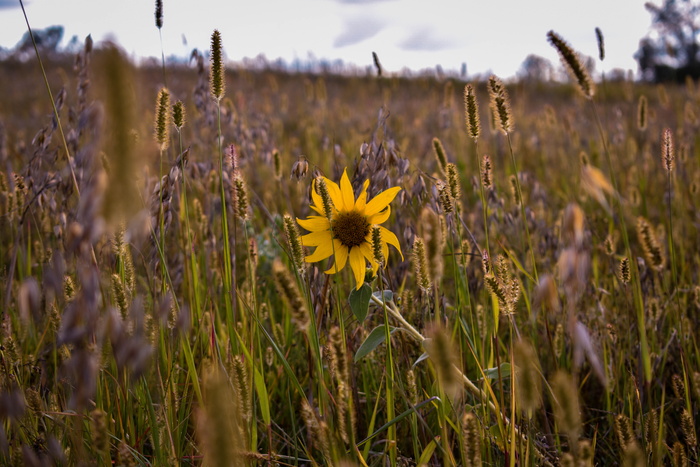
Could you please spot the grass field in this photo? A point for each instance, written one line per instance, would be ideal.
(536, 269)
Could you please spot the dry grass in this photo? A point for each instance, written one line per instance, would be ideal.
(562, 301)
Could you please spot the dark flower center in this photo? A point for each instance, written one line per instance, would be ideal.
(351, 228)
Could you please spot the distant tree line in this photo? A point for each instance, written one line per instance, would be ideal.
(670, 51)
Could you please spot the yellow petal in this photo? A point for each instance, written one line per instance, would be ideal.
(380, 217)
(389, 237)
(316, 238)
(381, 201)
(357, 263)
(316, 198)
(336, 195)
(341, 257)
(361, 201)
(346, 191)
(315, 223)
(322, 252)
(367, 253)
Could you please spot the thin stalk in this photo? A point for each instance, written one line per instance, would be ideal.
(522, 208)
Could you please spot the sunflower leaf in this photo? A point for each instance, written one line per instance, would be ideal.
(359, 301)
(376, 337)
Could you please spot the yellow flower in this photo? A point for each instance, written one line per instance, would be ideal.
(348, 232)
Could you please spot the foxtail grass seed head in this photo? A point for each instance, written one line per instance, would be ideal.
(241, 197)
(680, 458)
(486, 172)
(420, 264)
(217, 78)
(163, 119)
(239, 376)
(377, 246)
(443, 355)
(601, 44)
(277, 163)
(453, 182)
(322, 190)
(159, 14)
(573, 225)
(527, 377)
(624, 270)
(653, 253)
(294, 241)
(642, 113)
(514, 193)
(623, 431)
(688, 429)
(471, 110)
(500, 104)
(633, 456)
(440, 156)
(434, 234)
(573, 64)
(377, 65)
(179, 115)
(444, 198)
(667, 153)
(472, 440)
(566, 405)
(288, 288)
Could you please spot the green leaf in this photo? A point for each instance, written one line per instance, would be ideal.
(359, 301)
(263, 399)
(492, 373)
(385, 295)
(428, 452)
(376, 337)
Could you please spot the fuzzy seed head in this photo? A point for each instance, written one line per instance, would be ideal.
(163, 119)
(377, 65)
(217, 78)
(486, 172)
(642, 113)
(440, 156)
(288, 288)
(377, 246)
(624, 270)
(653, 253)
(472, 440)
(471, 109)
(453, 182)
(601, 44)
(573, 64)
(420, 265)
(179, 115)
(159, 14)
(241, 197)
(322, 189)
(667, 152)
(500, 104)
(566, 405)
(294, 241)
(527, 377)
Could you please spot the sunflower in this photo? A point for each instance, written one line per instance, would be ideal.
(347, 233)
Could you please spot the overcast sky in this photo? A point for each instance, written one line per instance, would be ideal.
(489, 36)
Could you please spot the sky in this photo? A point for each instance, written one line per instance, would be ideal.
(490, 36)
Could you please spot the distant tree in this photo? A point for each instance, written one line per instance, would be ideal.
(671, 51)
(47, 41)
(536, 68)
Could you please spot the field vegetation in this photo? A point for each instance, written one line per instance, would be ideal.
(540, 293)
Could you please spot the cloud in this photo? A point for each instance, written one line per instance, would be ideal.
(425, 40)
(8, 4)
(357, 30)
(361, 2)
